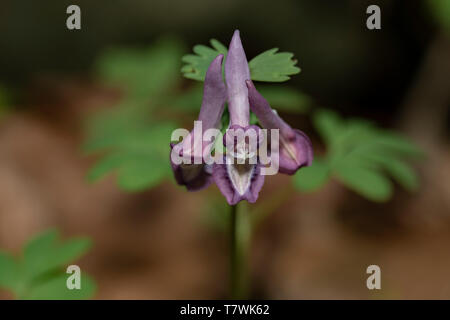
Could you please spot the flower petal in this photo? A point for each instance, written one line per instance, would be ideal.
(196, 175)
(295, 147)
(236, 72)
(238, 181)
(214, 95)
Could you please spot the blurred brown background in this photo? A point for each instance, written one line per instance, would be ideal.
(163, 243)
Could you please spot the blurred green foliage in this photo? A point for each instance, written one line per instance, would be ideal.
(139, 155)
(441, 12)
(131, 137)
(39, 272)
(269, 66)
(144, 73)
(361, 156)
(285, 99)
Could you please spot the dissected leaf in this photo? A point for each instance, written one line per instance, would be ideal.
(273, 66)
(269, 66)
(363, 157)
(197, 64)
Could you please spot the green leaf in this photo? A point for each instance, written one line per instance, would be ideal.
(403, 174)
(140, 157)
(142, 173)
(143, 72)
(69, 251)
(197, 64)
(364, 180)
(37, 252)
(105, 128)
(399, 170)
(285, 99)
(313, 177)
(44, 253)
(357, 148)
(271, 66)
(393, 142)
(106, 165)
(55, 288)
(328, 124)
(8, 271)
(353, 134)
(39, 274)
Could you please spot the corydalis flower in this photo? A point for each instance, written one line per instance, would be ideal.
(241, 179)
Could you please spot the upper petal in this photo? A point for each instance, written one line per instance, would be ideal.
(236, 72)
(295, 147)
(214, 95)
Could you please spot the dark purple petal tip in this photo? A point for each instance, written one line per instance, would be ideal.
(193, 176)
(295, 153)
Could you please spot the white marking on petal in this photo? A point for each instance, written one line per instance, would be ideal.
(241, 176)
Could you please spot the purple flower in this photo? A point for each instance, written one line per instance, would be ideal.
(239, 176)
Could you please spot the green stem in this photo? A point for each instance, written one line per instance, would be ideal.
(240, 233)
